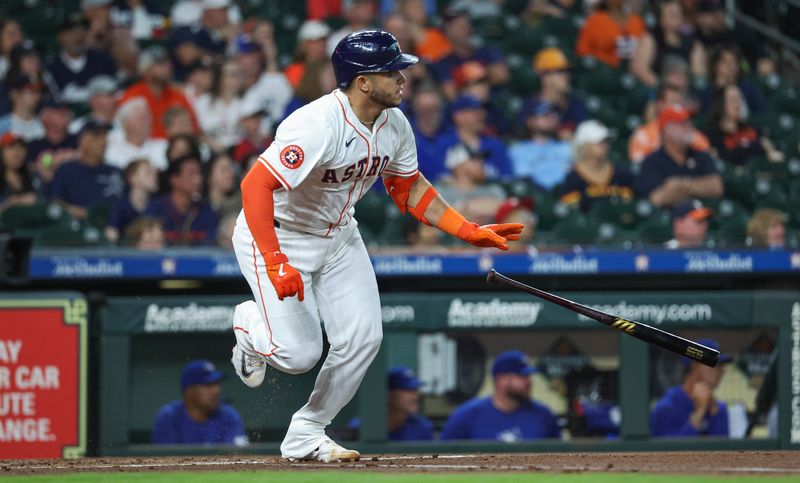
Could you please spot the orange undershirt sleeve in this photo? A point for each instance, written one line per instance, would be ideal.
(259, 211)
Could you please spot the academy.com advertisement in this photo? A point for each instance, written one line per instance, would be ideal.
(42, 378)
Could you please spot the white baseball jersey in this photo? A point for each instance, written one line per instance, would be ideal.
(326, 159)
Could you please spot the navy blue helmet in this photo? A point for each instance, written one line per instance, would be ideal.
(368, 51)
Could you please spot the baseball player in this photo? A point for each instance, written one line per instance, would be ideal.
(296, 232)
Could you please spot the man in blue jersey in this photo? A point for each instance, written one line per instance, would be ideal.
(507, 415)
(405, 422)
(691, 408)
(199, 417)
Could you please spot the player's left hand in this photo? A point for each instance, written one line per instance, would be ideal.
(286, 280)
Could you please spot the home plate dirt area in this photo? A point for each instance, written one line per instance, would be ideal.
(714, 463)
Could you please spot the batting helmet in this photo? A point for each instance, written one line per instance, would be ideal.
(368, 51)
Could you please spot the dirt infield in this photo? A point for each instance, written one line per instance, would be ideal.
(719, 463)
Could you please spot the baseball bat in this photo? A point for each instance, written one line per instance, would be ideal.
(651, 335)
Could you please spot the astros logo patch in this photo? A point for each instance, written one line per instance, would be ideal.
(292, 156)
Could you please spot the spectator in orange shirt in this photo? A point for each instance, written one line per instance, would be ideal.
(156, 72)
(611, 33)
(646, 139)
(311, 44)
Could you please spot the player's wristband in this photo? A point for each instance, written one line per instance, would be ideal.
(418, 211)
(454, 224)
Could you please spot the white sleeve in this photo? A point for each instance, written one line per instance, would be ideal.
(301, 143)
(404, 163)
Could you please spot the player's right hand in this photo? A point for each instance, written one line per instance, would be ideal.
(493, 236)
(285, 278)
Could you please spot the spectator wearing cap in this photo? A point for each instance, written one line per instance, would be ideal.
(265, 85)
(472, 79)
(187, 219)
(190, 12)
(87, 181)
(253, 139)
(102, 103)
(431, 130)
(692, 409)
(669, 38)
(677, 172)
(75, 64)
(552, 66)
(219, 110)
(714, 31)
(767, 229)
(519, 210)
(509, 414)
(57, 145)
(405, 422)
(689, 225)
(141, 182)
(199, 79)
(310, 51)
(131, 138)
(16, 185)
(458, 29)
(646, 139)
(469, 120)
(200, 416)
(143, 18)
(155, 87)
(359, 15)
(542, 158)
(593, 176)
(732, 138)
(186, 52)
(466, 188)
(23, 61)
(725, 70)
(26, 94)
(611, 33)
(214, 32)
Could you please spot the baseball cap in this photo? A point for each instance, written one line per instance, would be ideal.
(73, 20)
(200, 371)
(245, 44)
(25, 47)
(589, 132)
(455, 11)
(513, 362)
(93, 126)
(10, 138)
(693, 208)
(469, 72)
(538, 107)
(25, 82)
(673, 114)
(712, 344)
(707, 6)
(101, 84)
(151, 56)
(401, 377)
(213, 4)
(466, 102)
(94, 3)
(54, 103)
(252, 109)
(313, 30)
(550, 59)
(512, 204)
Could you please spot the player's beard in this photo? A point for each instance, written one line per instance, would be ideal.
(385, 99)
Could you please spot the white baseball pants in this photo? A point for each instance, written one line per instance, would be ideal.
(341, 290)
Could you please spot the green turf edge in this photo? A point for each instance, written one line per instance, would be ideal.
(373, 477)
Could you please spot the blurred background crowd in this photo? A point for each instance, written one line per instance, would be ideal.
(617, 123)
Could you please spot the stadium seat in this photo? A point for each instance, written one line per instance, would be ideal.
(657, 229)
(724, 210)
(615, 211)
(577, 228)
(732, 233)
(33, 217)
(738, 184)
(550, 211)
(371, 211)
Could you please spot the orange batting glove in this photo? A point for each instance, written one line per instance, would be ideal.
(284, 277)
(492, 236)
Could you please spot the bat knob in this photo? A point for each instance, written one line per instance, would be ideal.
(490, 276)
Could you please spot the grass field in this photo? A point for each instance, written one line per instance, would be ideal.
(371, 477)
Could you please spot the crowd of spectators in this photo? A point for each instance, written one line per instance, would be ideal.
(143, 118)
